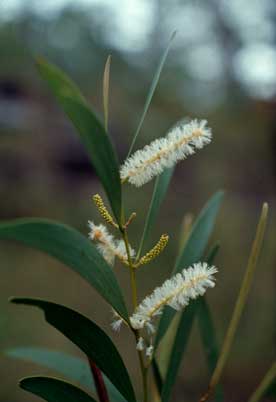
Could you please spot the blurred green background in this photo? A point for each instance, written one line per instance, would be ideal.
(222, 67)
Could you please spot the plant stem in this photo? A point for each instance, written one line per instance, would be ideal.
(240, 303)
(143, 368)
(131, 269)
(265, 383)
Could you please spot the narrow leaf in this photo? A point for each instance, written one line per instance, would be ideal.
(178, 349)
(267, 385)
(151, 91)
(54, 390)
(207, 330)
(73, 368)
(99, 149)
(106, 79)
(71, 248)
(200, 234)
(209, 340)
(160, 189)
(90, 129)
(240, 303)
(157, 376)
(193, 251)
(90, 339)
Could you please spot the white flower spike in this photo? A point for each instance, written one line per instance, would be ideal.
(107, 245)
(165, 152)
(175, 292)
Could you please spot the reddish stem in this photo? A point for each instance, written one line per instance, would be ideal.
(99, 382)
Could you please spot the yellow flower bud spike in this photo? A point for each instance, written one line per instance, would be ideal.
(103, 210)
(155, 251)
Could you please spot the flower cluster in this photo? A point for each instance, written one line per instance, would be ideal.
(165, 152)
(175, 292)
(107, 245)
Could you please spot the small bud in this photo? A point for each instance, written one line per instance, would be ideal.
(103, 210)
(140, 344)
(130, 219)
(155, 251)
(149, 351)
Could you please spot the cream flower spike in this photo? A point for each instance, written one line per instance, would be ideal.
(107, 245)
(162, 153)
(175, 292)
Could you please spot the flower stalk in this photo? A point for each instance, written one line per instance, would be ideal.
(134, 302)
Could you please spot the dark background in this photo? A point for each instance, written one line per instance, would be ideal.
(222, 67)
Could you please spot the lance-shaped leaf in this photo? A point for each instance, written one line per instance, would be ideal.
(178, 349)
(207, 330)
(192, 251)
(71, 367)
(54, 390)
(71, 248)
(90, 129)
(209, 341)
(90, 339)
(160, 189)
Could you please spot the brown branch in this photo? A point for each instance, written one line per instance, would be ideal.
(99, 382)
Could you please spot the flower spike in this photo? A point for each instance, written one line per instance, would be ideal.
(155, 251)
(103, 210)
(175, 292)
(107, 245)
(165, 152)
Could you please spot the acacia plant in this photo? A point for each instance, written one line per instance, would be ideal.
(93, 258)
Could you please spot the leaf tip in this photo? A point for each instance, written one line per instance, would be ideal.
(12, 299)
(173, 35)
(265, 208)
(23, 382)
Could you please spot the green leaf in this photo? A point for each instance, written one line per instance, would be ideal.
(90, 339)
(71, 248)
(271, 390)
(200, 233)
(160, 189)
(178, 349)
(73, 368)
(157, 375)
(240, 302)
(58, 81)
(90, 129)
(192, 251)
(54, 390)
(267, 387)
(209, 340)
(151, 91)
(207, 330)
